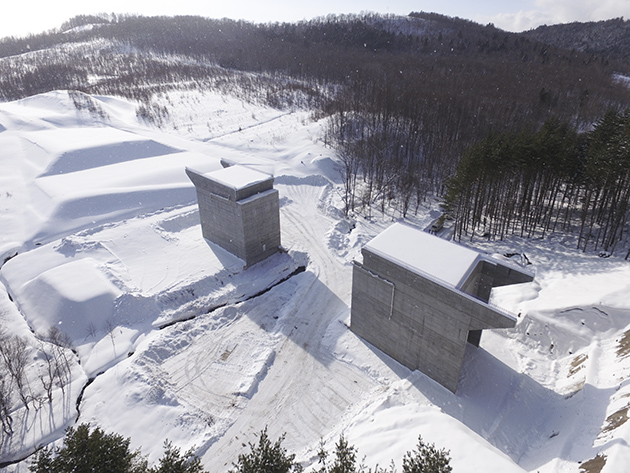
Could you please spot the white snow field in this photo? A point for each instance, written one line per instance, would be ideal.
(174, 339)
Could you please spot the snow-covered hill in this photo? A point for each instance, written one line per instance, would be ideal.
(173, 338)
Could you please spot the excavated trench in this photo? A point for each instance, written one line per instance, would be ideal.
(298, 270)
(79, 401)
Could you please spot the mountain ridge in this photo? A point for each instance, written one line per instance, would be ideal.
(610, 38)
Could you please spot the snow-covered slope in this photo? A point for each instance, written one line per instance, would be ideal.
(173, 338)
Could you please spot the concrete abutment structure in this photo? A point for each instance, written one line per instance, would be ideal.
(420, 299)
(239, 210)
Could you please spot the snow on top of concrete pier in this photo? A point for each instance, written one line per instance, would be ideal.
(238, 177)
(422, 252)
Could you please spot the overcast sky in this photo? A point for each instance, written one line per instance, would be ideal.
(21, 17)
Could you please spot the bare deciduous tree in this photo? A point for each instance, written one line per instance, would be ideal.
(14, 353)
(5, 404)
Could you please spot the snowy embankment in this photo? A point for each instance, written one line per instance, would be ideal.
(174, 339)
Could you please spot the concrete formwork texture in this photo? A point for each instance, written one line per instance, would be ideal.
(418, 319)
(240, 211)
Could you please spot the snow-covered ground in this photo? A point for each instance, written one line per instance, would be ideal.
(174, 339)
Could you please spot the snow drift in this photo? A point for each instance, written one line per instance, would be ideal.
(175, 339)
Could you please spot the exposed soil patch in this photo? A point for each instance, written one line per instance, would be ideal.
(616, 420)
(574, 389)
(623, 349)
(9, 257)
(80, 398)
(577, 364)
(594, 465)
(226, 354)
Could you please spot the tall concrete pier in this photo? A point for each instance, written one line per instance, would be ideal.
(239, 211)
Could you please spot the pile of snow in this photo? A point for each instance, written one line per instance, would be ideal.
(175, 339)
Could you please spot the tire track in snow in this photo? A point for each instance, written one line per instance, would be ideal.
(306, 391)
(248, 128)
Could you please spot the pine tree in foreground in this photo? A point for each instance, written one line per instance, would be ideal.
(426, 459)
(97, 452)
(173, 462)
(86, 451)
(345, 459)
(266, 457)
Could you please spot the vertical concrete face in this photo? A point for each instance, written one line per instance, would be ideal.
(260, 218)
(480, 281)
(412, 319)
(419, 320)
(239, 211)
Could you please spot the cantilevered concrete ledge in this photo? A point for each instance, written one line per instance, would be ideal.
(239, 210)
(420, 299)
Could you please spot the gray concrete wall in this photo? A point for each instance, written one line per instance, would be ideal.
(254, 189)
(248, 228)
(427, 325)
(447, 300)
(417, 330)
(487, 275)
(505, 275)
(480, 281)
(260, 216)
(222, 222)
(209, 186)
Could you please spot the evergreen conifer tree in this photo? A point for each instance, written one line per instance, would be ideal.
(426, 459)
(266, 457)
(98, 452)
(90, 452)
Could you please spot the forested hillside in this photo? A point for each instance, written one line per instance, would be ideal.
(532, 184)
(405, 97)
(116, 313)
(610, 38)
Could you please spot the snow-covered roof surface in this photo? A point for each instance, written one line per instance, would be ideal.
(422, 252)
(238, 177)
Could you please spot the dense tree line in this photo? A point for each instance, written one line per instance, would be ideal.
(536, 182)
(403, 122)
(271, 457)
(92, 450)
(423, 63)
(404, 96)
(609, 37)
